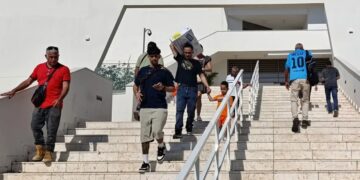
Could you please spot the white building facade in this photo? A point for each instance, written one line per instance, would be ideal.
(92, 32)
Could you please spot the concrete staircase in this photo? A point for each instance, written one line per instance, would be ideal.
(265, 148)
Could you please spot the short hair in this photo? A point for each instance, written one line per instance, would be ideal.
(153, 50)
(328, 63)
(50, 48)
(235, 67)
(299, 46)
(224, 83)
(188, 45)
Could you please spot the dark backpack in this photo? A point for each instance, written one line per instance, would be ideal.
(312, 75)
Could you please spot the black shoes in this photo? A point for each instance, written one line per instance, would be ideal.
(177, 136)
(305, 124)
(161, 154)
(336, 113)
(145, 167)
(295, 128)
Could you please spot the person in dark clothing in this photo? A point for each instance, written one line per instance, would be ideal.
(206, 65)
(329, 77)
(151, 85)
(186, 73)
(312, 76)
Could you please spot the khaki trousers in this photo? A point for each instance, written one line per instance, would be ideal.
(297, 86)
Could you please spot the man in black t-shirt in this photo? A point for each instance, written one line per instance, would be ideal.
(186, 73)
(151, 85)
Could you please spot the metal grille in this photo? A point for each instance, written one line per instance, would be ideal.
(271, 70)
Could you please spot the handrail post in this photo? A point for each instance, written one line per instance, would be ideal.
(216, 149)
(197, 169)
(231, 126)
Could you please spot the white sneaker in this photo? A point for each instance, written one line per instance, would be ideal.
(198, 118)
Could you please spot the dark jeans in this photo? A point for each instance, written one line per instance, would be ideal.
(50, 117)
(333, 91)
(185, 97)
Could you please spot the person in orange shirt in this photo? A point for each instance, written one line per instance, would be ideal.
(224, 87)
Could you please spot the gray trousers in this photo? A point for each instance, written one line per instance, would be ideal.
(50, 117)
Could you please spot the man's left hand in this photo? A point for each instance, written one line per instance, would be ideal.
(208, 90)
(57, 103)
(159, 86)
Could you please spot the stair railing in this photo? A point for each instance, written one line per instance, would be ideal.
(253, 91)
(229, 128)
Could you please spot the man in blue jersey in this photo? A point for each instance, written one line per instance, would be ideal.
(296, 66)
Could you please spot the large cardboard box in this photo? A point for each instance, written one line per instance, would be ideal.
(187, 35)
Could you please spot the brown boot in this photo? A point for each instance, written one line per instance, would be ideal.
(39, 155)
(48, 156)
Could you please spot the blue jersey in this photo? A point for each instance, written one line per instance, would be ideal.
(296, 65)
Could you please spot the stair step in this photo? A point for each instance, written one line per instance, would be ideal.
(171, 155)
(241, 138)
(242, 130)
(235, 165)
(246, 175)
(203, 124)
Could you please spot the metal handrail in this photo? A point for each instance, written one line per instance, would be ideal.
(253, 91)
(229, 127)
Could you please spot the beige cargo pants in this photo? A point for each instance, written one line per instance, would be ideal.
(295, 87)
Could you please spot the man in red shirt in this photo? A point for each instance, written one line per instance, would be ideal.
(49, 111)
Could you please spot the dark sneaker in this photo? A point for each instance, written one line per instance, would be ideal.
(161, 153)
(145, 167)
(295, 128)
(305, 124)
(136, 116)
(336, 113)
(177, 136)
(330, 112)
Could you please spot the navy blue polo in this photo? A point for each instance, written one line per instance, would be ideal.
(146, 78)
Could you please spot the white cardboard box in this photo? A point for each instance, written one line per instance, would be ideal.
(185, 36)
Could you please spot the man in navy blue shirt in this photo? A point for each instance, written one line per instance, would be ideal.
(187, 70)
(329, 77)
(296, 66)
(151, 85)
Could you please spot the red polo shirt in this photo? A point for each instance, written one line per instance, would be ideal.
(54, 87)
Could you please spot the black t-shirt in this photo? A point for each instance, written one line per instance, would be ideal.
(187, 71)
(146, 78)
(204, 61)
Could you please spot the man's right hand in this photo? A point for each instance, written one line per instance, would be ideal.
(139, 96)
(287, 85)
(9, 94)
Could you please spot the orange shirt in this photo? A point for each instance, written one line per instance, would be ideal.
(224, 112)
(175, 91)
